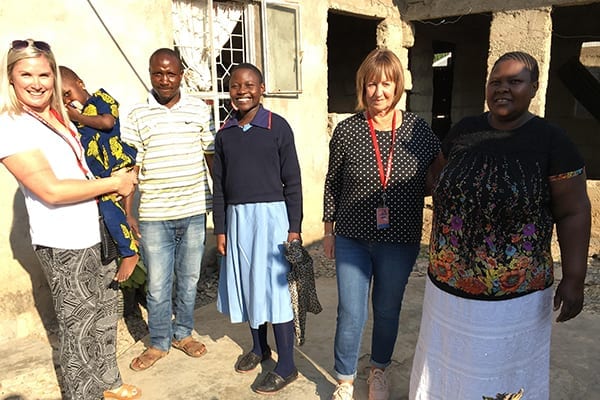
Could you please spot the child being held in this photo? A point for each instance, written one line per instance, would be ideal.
(97, 120)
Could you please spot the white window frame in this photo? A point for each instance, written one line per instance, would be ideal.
(269, 72)
(249, 16)
(213, 95)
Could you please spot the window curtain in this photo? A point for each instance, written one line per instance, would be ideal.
(192, 36)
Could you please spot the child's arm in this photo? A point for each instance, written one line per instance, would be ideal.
(103, 122)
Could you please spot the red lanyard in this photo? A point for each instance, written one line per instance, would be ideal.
(78, 155)
(383, 178)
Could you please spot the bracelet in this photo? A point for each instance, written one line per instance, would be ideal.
(328, 234)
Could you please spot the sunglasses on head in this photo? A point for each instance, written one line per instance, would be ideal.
(23, 44)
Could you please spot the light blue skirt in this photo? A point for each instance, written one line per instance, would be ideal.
(253, 283)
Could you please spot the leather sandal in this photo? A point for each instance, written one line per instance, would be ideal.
(250, 361)
(273, 382)
(123, 392)
(190, 346)
(147, 359)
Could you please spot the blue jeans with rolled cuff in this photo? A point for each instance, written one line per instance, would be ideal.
(388, 266)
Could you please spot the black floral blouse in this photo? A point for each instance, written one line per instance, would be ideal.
(492, 223)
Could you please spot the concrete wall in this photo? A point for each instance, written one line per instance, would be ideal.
(551, 30)
(429, 9)
(78, 40)
(528, 30)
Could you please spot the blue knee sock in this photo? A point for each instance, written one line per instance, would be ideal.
(284, 339)
(259, 339)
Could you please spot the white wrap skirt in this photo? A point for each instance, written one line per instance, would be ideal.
(468, 348)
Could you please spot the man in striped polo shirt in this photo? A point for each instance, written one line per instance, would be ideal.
(174, 135)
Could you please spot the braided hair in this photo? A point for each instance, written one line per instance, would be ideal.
(527, 59)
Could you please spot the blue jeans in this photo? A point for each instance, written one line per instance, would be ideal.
(172, 249)
(356, 262)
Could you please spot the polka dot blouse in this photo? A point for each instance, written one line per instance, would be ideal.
(353, 188)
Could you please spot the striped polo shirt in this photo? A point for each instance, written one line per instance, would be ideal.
(171, 144)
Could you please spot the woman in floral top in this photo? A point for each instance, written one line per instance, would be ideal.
(510, 176)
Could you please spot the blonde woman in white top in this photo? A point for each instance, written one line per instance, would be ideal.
(39, 146)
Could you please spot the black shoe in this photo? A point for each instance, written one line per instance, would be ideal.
(250, 360)
(273, 383)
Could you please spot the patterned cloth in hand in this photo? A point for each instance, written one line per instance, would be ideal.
(301, 280)
(506, 396)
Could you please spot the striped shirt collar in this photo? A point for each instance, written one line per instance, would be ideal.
(262, 119)
(152, 102)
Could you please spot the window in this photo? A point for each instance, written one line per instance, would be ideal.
(282, 50)
(214, 36)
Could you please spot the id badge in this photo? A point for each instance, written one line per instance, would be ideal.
(383, 217)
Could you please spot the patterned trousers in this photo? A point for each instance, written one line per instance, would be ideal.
(86, 310)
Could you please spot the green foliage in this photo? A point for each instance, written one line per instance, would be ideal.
(439, 56)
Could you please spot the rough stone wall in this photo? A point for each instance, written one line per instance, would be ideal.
(594, 194)
(525, 30)
(590, 57)
(430, 9)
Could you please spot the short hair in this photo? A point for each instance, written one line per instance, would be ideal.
(8, 99)
(377, 63)
(525, 58)
(67, 74)
(252, 68)
(166, 52)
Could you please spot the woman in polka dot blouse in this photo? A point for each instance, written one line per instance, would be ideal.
(379, 164)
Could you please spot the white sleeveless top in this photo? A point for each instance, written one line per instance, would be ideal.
(71, 226)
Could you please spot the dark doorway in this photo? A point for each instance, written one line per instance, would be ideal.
(572, 98)
(443, 73)
(349, 40)
(444, 94)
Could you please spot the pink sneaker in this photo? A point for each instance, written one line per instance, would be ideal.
(378, 387)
